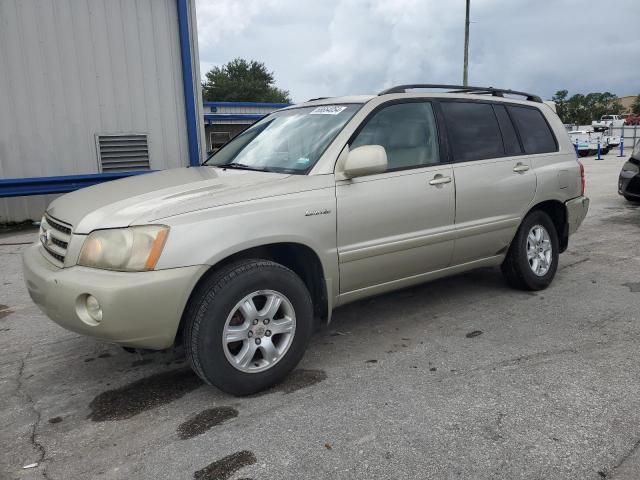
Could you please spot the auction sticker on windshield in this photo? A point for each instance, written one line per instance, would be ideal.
(327, 110)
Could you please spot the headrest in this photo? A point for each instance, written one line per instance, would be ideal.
(407, 134)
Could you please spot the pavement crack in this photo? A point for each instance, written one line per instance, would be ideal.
(533, 356)
(626, 456)
(33, 437)
(573, 264)
(513, 361)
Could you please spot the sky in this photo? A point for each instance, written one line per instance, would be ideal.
(319, 48)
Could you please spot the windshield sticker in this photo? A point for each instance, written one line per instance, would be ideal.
(327, 110)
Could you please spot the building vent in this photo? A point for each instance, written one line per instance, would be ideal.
(122, 153)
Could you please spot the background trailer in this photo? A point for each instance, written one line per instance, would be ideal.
(92, 90)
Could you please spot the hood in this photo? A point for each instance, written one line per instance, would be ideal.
(146, 198)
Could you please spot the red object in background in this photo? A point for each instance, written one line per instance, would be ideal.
(631, 119)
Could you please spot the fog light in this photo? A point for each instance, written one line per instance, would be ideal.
(93, 308)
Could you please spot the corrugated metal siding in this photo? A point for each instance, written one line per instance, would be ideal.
(71, 69)
(239, 109)
(230, 122)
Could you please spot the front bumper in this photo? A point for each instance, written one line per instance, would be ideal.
(577, 209)
(629, 184)
(140, 309)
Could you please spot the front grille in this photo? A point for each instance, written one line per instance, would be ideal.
(59, 243)
(55, 236)
(56, 225)
(57, 256)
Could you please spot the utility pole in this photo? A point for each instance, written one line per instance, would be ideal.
(465, 71)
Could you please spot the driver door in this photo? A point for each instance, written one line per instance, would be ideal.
(394, 226)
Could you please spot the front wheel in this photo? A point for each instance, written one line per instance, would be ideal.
(248, 325)
(532, 259)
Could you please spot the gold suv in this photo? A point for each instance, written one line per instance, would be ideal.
(314, 206)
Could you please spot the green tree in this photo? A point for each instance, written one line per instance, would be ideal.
(582, 109)
(560, 99)
(242, 81)
(635, 106)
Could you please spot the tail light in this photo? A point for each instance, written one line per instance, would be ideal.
(581, 177)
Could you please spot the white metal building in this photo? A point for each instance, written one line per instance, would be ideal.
(92, 90)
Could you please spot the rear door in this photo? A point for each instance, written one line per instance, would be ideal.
(494, 180)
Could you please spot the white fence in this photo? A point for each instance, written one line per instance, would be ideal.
(630, 133)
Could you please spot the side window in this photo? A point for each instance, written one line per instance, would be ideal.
(509, 137)
(534, 130)
(408, 133)
(473, 129)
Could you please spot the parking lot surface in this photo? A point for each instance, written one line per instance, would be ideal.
(459, 378)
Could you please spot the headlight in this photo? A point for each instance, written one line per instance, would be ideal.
(127, 249)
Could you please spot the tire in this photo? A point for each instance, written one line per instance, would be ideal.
(604, 151)
(216, 305)
(516, 267)
(583, 153)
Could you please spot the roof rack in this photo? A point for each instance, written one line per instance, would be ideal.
(496, 92)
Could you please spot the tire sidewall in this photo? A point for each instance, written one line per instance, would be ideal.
(215, 309)
(532, 280)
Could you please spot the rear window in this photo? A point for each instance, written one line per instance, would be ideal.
(509, 136)
(534, 130)
(473, 130)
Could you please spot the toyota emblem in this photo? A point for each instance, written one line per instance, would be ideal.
(45, 237)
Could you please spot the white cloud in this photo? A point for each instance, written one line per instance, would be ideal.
(374, 44)
(335, 47)
(223, 20)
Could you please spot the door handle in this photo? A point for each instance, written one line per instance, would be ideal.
(520, 168)
(439, 180)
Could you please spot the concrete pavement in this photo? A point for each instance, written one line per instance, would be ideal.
(459, 378)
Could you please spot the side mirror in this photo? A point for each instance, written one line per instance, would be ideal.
(365, 160)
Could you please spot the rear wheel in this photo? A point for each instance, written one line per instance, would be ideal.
(248, 325)
(532, 259)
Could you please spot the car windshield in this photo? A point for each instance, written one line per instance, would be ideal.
(288, 141)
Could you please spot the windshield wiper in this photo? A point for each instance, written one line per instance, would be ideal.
(240, 166)
(243, 166)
